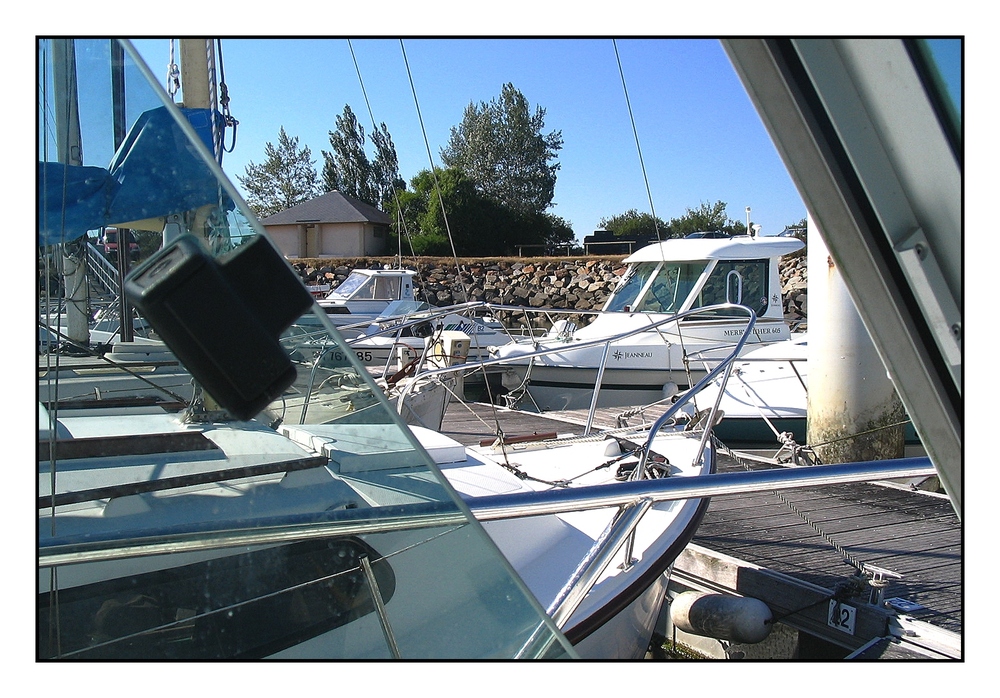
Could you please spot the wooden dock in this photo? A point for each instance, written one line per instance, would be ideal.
(790, 548)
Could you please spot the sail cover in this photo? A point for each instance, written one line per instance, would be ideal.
(156, 172)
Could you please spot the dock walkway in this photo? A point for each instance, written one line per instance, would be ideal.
(788, 548)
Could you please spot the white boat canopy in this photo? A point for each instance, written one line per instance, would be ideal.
(687, 249)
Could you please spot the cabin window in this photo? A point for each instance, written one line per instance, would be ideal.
(623, 299)
(670, 287)
(351, 284)
(387, 288)
(741, 281)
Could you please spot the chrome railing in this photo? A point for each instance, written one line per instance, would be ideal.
(352, 522)
(605, 343)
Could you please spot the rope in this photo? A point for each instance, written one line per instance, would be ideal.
(227, 118)
(173, 74)
(213, 101)
(862, 433)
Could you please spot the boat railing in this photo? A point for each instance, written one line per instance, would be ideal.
(102, 270)
(217, 535)
(605, 343)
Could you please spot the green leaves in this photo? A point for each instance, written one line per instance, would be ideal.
(348, 169)
(500, 146)
(286, 178)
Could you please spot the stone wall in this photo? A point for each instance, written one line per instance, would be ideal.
(577, 283)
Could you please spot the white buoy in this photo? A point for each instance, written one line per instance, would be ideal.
(732, 618)
(852, 405)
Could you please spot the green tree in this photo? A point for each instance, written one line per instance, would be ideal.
(286, 178)
(348, 169)
(706, 218)
(633, 225)
(500, 146)
(560, 231)
(478, 225)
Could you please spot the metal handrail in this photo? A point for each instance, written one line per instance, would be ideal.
(601, 341)
(348, 522)
(103, 270)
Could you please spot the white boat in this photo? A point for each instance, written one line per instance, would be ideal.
(366, 293)
(236, 528)
(250, 521)
(662, 280)
(765, 400)
(408, 328)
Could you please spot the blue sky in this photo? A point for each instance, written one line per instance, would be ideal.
(701, 138)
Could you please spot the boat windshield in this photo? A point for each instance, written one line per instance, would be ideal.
(623, 298)
(670, 287)
(398, 309)
(656, 287)
(348, 288)
(320, 526)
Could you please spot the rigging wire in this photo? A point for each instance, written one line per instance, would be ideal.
(227, 117)
(371, 115)
(437, 185)
(459, 270)
(638, 148)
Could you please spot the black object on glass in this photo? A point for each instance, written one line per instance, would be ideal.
(222, 318)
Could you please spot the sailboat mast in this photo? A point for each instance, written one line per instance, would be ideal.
(127, 331)
(196, 57)
(69, 151)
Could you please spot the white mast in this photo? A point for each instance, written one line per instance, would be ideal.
(69, 151)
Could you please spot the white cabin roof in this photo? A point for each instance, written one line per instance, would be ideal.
(690, 249)
(384, 272)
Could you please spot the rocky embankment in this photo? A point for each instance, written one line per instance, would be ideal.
(576, 283)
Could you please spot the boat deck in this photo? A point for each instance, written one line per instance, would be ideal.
(802, 535)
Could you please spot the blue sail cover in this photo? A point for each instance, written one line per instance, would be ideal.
(155, 172)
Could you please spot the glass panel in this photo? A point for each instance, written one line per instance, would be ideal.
(352, 283)
(754, 276)
(623, 299)
(387, 289)
(671, 287)
(270, 522)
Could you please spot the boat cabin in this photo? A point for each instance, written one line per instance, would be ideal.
(681, 274)
(369, 291)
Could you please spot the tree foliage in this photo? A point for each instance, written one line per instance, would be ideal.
(500, 147)
(478, 225)
(348, 169)
(705, 218)
(286, 178)
(633, 224)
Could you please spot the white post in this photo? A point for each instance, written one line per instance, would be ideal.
(852, 403)
(194, 73)
(69, 151)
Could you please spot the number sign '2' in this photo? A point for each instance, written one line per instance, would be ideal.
(842, 617)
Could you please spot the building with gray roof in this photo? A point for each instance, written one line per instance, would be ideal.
(331, 225)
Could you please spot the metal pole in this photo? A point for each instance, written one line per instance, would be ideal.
(124, 234)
